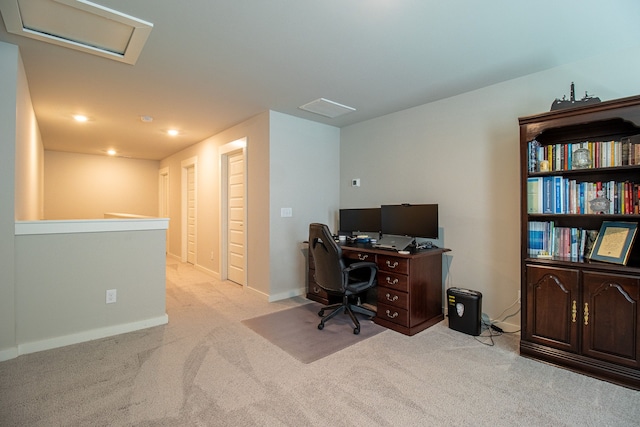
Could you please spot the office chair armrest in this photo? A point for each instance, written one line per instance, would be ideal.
(372, 266)
(361, 264)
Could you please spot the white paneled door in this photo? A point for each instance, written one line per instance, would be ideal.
(236, 218)
(191, 215)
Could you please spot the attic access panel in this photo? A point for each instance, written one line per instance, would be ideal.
(327, 108)
(78, 24)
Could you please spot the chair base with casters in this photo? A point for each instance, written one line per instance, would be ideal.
(345, 307)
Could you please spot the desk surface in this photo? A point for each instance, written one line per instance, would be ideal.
(369, 248)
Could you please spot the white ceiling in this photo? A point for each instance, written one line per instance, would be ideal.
(208, 65)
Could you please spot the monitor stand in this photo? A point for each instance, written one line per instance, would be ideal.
(393, 242)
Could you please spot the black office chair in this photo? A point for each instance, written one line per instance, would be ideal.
(336, 278)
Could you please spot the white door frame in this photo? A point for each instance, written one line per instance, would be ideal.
(163, 198)
(223, 154)
(184, 165)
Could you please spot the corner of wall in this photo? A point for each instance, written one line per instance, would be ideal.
(9, 60)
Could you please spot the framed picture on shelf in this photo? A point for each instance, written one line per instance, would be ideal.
(614, 242)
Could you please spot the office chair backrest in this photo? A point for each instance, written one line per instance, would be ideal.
(327, 256)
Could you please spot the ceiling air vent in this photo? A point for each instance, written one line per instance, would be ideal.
(79, 25)
(326, 108)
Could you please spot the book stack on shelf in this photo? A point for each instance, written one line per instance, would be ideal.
(555, 194)
(601, 154)
(546, 240)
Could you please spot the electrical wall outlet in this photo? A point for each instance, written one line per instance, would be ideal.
(111, 296)
(286, 212)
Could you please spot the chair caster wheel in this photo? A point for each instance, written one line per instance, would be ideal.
(356, 331)
(321, 326)
(321, 313)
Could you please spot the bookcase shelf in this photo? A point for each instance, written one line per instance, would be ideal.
(577, 313)
(595, 172)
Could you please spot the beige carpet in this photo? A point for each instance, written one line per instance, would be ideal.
(206, 368)
(295, 330)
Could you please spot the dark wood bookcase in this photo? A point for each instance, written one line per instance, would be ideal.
(577, 313)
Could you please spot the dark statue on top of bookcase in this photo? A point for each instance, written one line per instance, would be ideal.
(559, 104)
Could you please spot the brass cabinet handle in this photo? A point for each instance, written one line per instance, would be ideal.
(586, 314)
(395, 264)
(362, 257)
(316, 290)
(574, 311)
(392, 316)
(392, 282)
(395, 298)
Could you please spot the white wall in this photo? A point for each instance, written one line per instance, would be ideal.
(462, 153)
(62, 278)
(29, 160)
(9, 66)
(305, 176)
(85, 186)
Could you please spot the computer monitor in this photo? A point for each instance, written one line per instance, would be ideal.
(410, 220)
(360, 220)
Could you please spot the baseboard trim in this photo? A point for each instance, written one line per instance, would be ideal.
(90, 335)
(173, 256)
(288, 294)
(8, 354)
(206, 270)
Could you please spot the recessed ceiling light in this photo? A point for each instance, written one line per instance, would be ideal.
(111, 152)
(173, 132)
(146, 119)
(80, 118)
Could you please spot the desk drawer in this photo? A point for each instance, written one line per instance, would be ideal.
(394, 264)
(395, 281)
(317, 290)
(393, 314)
(392, 297)
(359, 256)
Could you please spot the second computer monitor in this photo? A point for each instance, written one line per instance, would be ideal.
(410, 220)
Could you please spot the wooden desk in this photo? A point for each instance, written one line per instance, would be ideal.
(409, 291)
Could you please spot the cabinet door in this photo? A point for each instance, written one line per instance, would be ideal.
(552, 307)
(610, 316)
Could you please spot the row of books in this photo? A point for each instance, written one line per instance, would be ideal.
(546, 240)
(602, 154)
(557, 195)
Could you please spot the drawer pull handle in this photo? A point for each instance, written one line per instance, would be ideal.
(362, 257)
(395, 264)
(392, 282)
(395, 298)
(392, 316)
(586, 314)
(316, 290)
(574, 312)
